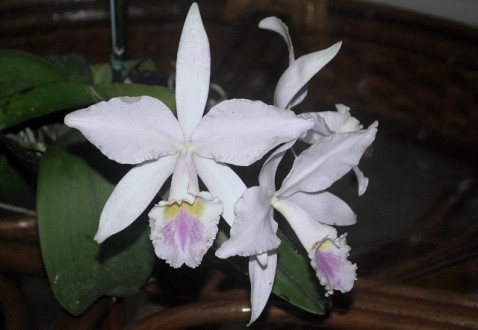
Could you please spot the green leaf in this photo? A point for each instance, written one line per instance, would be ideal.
(75, 67)
(20, 70)
(296, 281)
(14, 189)
(75, 180)
(102, 73)
(50, 98)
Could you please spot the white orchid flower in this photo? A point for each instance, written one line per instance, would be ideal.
(307, 207)
(335, 122)
(292, 89)
(144, 132)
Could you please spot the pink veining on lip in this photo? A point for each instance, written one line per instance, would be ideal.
(184, 229)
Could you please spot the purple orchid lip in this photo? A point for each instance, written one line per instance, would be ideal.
(182, 231)
(328, 262)
(184, 228)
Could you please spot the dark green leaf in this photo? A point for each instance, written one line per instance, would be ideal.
(24, 70)
(75, 180)
(49, 98)
(14, 189)
(75, 67)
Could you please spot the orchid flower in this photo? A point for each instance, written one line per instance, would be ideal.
(335, 122)
(144, 132)
(307, 207)
(291, 90)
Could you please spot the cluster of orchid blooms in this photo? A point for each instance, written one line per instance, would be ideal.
(144, 132)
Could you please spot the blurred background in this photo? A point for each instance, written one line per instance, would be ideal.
(462, 11)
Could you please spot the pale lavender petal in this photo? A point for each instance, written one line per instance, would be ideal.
(182, 232)
(222, 182)
(362, 181)
(318, 131)
(267, 175)
(254, 229)
(333, 269)
(132, 195)
(341, 121)
(326, 161)
(308, 231)
(324, 207)
(275, 24)
(192, 72)
(299, 73)
(129, 130)
(262, 281)
(241, 131)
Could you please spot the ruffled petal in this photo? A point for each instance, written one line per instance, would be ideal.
(326, 161)
(132, 195)
(254, 229)
(324, 207)
(192, 72)
(276, 25)
(221, 182)
(334, 270)
(262, 281)
(299, 73)
(241, 132)
(129, 130)
(182, 232)
(328, 253)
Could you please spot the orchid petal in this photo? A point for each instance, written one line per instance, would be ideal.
(192, 72)
(267, 174)
(241, 132)
(328, 253)
(222, 182)
(182, 232)
(126, 129)
(276, 25)
(333, 269)
(341, 121)
(262, 281)
(326, 161)
(299, 73)
(308, 231)
(324, 207)
(132, 195)
(362, 181)
(318, 131)
(254, 229)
